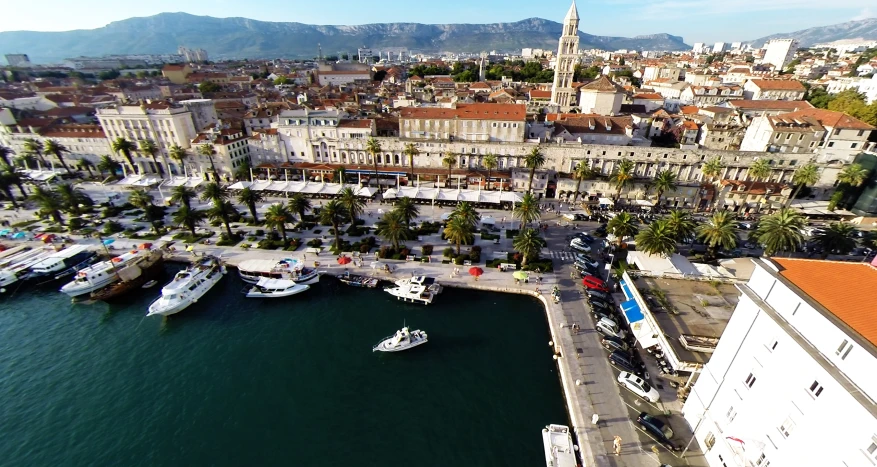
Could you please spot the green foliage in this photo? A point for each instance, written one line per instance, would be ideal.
(518, 70)
(112, 227)
(424, 70)
(426, 250)
(209, 86)
(109, 74)
(849, 102)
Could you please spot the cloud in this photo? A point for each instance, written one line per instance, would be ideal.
(866, 13)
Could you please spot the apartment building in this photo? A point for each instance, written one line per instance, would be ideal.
(779, 52)
(505, 123)
(710, 95)
(783, 133)
(775, 89)
(791, 381)
(232, 151)
(83, 141)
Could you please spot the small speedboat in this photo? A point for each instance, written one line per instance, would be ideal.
(559, 448)
(402, 340)
(275, 288)
(356, 280)
(149, 285)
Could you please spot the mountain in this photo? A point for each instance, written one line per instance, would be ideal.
(242, 37)
(859, 29)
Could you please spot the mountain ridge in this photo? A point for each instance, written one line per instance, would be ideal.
(865, 29)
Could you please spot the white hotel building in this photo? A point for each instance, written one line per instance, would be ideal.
(792, 381)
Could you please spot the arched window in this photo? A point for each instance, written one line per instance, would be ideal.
(396, 159)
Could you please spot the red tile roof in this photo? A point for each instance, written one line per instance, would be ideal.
(832, 119)
(768, 104)
(537, 94)
(602, 84)
(648, 95)
(469, 112)
(778, 84)
(355, 124)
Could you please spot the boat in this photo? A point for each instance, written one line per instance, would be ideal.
(100, 275)
(356, 280)
(18, 266)
(188, 286)
(559, 448)
(414, 293)
(425, 281)
(270, 288)
(149, 284)
(252, 270)
(63, 263)
(133, 276)
(402, 340)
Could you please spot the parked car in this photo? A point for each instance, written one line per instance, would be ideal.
(638, 386)
(593, 282)
(568, 216)
(579, 245)
(600, 231)
(591, 293)
(585, 268)
(657, 428)
(612, 343)
(608, 327)
(584, 237)
(585, 259)
(623, 361)
(597, 303)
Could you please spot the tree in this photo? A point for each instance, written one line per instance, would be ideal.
(527, 210)
(657, 239)
(178, 154)
(124, 146)
(534, 160)
(837, 238)
(780, 231)
(209, 86)
(108, 165)
(143, 200)
(528, 243)
(4, 154)
(281, 80)
(580, 173)
(10, 174)
(853, 175)
(299, 205)
(458, 231)
(242, 172)
(249, 197)
(85, 164)
(449, 161)
(759, 170)
(277, 216)
(681, 225)
(148, 147)
(407, 210)
(712, 170)
(622, 176)
(209, 151)
(49, 202)
(804, 175)
(373, 148)
(354, 205)
(333, 213)
(6, 184)
(719, 231)
(26, 160)
(622, 225)
(664, 181)
(221, 209)
(108, 75)
(411, 152)
(73, 199)
(392, 228)
(183, 195)
(490, 162)
(188, 217)
(466, 213)
(32, 146)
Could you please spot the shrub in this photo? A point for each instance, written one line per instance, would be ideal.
(448, 252)
(511, 233)
(224, 240)
(318, 231)
(251, 239)
(364, 248)
(487, 236)
(459, 259)
(112, 227)
(404, 252)
(315, 243)
(260, 232)
(273, 236)
(426, 250)
(384, 251)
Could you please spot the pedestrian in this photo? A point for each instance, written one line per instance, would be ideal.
(616, 444)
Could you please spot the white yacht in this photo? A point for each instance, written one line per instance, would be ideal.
(559, 448)
(19, 268)
(252, 270)
(101, 274)
(269, 288)
(188, 286)
(63, 263)
(402, 340)
(414, 293)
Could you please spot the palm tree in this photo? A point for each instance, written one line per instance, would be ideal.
(490, 162)
(183, 195)
(719, 231)
(299, 204)
(249, 198)
(49, 202)
(124, 146)
(73, 198)
(837, 238)
(534, 160)
(32, 146)
(178, 154)
(657, 239)
(209, 151)
(333, 213)
(712, 170)
(11, 174)
(353, 204)
(528, 243)
(664, 181)
(759, 170)
(143, 200)
(277, 216)
(807, 174)
(580, 173)
(449, 161)
(527, 210)
(191, 218)
(108, 165)
(85, 164)
(458, 231)
(6, 184)
(221, 209)
(853, 175)
(392, 228)
(622, 225)
(26, 160)
(411, 151)
(466, 213)
(780, 231)
(373, 147)
(622, 176)
(407, 210)
(681, 225)
(148, 146)
(244, 169)
(4, 154)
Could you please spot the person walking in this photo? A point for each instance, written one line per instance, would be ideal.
(616, 444)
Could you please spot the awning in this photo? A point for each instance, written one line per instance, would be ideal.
(631, 311)
(605, 201)
(626, 289)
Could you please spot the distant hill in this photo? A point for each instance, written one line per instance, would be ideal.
(242, 38)
(859, 29)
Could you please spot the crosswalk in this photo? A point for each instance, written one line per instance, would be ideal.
(558, 254)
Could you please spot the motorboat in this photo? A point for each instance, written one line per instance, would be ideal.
(559, 448)
(414, 293)
(63, 263)
(252, 270)
(19, 268)
(356, 280)
(270, 288)
(149, 284)
(100, 275)
(417, 280)
(133, 276)
(188, 286)
(402, 340)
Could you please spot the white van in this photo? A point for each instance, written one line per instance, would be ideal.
(607, 327)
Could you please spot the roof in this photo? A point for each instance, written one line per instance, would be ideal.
(355, 124)
(819, 280)
(602, 84)
(469, 112)
(689, 109)
(832, 119)
(778, 84)
(768, 104)
(538, 94)
(648, 95)
(755, 188)
(787, 123)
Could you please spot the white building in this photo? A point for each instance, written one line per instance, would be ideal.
(18, 60)
(791, 382)
(779, 52)
(698, 47)
(719, 47)
(563, 94)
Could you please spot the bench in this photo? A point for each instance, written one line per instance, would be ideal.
(507, 266)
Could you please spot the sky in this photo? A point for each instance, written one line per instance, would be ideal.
(695, 20)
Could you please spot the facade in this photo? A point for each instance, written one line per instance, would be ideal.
(176, 73)
(341, 78)
(721, 136)
(779, 52)
(783, 133)
(505, 123)
(193, 55)
(19, 60)
(563, 94)
(795, 359)
(594, 129)
(775, 89)
(232, 151)
(83, 141)
(267, 148)
(747, 196)
(203, 113)
(602, 97)
(751, 109)
(703, 96)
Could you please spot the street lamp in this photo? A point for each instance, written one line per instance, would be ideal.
(609, 269)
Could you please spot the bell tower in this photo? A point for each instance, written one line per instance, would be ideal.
(563, 94)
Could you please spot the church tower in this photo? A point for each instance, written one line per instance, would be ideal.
(562, 93)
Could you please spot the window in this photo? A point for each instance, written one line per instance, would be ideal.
(844, 349)
(872, 450)
(709, 441)
(787, 427)
(750, 380)
(731, 414)
(831, 144)
(774, 345)
(815, 389)
(762, 461)
(853, 146)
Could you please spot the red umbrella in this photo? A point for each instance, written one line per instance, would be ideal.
(475, 271)
(344, 259)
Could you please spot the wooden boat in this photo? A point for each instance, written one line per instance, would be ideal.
(355, 280)
(134, 276)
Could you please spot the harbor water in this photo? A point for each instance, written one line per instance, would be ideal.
(233, 381)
